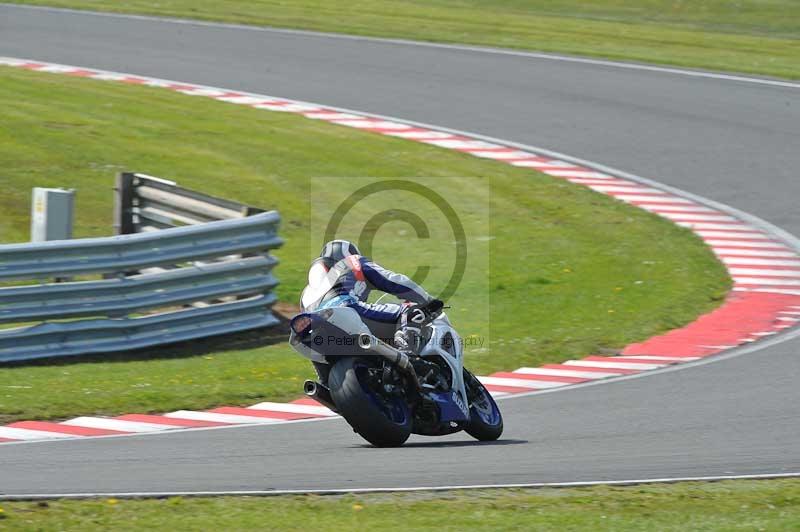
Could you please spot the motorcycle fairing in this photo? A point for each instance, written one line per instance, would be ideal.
(443, 334)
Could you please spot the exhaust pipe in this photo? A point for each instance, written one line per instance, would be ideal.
(368, 342)
(320, 393)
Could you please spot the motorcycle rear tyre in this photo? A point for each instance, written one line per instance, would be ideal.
(359, 409)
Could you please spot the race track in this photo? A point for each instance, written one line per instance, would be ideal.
(731, 141)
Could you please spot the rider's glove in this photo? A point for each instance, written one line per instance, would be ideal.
(434, 307)
(416, 315)
(419, 315)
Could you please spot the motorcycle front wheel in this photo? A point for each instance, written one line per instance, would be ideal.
(485, 419)
(381, 419)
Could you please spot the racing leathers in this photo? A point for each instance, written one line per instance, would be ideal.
(349, 283)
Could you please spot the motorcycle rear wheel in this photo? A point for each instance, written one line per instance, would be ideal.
(383, 421)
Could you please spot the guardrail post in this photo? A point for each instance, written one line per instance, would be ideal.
(123, 204)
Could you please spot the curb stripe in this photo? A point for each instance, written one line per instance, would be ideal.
(566, 373)
(662, 208)
(115, 424)
(638, 366)
(577, 366)
(776, 271)
(747, 244)
(61, 428)
(266, 414)
(169, 422)
(632, 360)
(314, 410)
(760, 262)
(221, 418)
(744, 252)
(653, 357)
(520, 383)
(10, 433)
(506, 389)
(533, 377)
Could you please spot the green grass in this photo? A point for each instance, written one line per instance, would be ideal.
(731, 505)
(752, 36)
(556, 270)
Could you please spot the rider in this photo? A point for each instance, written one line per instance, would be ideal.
(342, 277)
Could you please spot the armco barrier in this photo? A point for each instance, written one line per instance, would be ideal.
(145, 203)
(158, 286)
(132, 252)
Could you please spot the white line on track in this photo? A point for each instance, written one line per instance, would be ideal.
(344, 490)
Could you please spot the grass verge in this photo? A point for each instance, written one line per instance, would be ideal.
(568, 271)
(752, 36)
(730, 505)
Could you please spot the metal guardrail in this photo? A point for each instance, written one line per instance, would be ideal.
(121, 296)
(129, 252)
(145, 203)
(105, 336)
(158, 285)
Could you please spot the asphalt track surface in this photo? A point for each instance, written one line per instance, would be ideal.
(732, 141)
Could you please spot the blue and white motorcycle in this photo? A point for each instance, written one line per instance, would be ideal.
(386, 395)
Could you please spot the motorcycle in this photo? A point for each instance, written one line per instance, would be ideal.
(386, 395)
